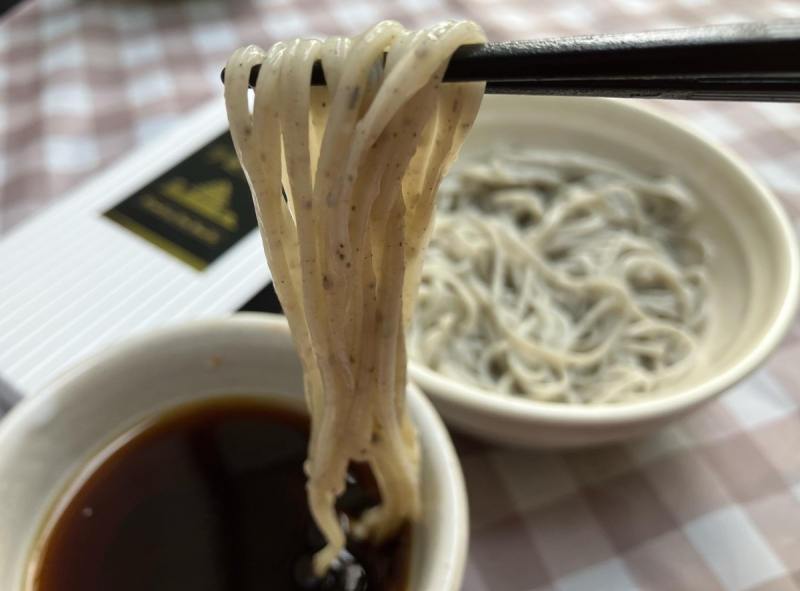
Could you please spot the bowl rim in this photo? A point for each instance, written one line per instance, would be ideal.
(447, 557)
(446, 390)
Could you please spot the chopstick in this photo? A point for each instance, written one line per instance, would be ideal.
(738, 62)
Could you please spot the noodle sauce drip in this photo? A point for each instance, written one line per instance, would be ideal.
(211, 497)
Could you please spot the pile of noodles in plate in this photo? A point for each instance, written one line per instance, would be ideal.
(561, 277)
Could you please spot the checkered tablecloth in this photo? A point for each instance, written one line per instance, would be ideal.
(712, 503)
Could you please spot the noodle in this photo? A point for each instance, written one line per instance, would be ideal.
(361, 161)
(561, 277)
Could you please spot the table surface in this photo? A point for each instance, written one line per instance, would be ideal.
(710, 503)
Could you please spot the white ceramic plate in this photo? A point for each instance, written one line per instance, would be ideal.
(754, 273)
(47, 439)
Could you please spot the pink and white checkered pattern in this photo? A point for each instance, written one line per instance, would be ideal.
(711, 503)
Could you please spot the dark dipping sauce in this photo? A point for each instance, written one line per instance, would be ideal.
(209, 497)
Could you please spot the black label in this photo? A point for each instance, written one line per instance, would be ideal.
(197, 210)
(265, 300)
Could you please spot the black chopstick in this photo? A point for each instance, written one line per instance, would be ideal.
(739, 62)
(785, 90)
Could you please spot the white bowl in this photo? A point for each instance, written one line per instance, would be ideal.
(754, 275)
(47, 439)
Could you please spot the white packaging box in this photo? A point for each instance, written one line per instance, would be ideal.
(73, 282)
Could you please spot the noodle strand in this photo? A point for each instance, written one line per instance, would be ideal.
(361, 161)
